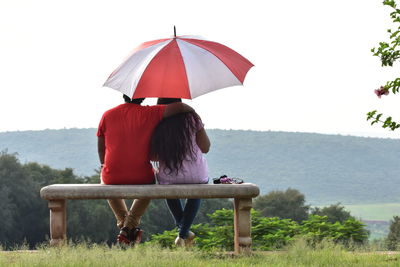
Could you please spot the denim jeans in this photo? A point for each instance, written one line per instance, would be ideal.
(183, 216)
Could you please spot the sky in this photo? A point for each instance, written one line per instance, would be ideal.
(314, 71)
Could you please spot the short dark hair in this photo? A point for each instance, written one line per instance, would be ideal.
(133, 101)
(166, 101)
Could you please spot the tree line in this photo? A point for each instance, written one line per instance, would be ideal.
(323, 167)
(25, 216)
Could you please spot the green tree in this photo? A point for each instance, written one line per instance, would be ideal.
(317, 228)
(25, 216)
(389, 53)
(86, 219)
(19, 203)
(289, 204)
(393, 238)
(335, 213)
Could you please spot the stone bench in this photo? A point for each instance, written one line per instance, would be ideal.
(57, 195)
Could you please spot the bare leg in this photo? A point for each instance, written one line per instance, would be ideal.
(137, 210)
(120, 210)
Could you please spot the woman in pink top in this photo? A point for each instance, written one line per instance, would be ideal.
(178, 144)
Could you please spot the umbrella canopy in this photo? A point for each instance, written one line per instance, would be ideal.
(178, 67)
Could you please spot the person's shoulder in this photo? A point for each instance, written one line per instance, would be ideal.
(114, 109)
(153, 106)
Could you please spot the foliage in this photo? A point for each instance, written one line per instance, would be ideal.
(326, 168)
(272, 233)
(389, 53)
(92, 220)
(387, 123)
(25, 216)
(289, 204)
(318, 228)
(19, 203)
(218, 234)
(393, 238)
(164, 221)
(269, 233)
(335, 213)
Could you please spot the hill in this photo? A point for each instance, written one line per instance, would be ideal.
(326, 168)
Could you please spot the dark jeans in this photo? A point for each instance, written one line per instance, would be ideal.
(184, 216)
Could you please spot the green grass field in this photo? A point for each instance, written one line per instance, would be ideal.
(375, 216)
(378, 212)
(299, 254)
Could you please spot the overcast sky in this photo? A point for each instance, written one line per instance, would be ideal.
(314, 71)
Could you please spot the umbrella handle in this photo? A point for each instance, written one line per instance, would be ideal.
(174, 31)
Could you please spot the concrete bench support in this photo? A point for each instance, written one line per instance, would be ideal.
(242, 224)
(58, 221)
(58, 194)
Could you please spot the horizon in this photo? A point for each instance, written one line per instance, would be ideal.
(390, 135)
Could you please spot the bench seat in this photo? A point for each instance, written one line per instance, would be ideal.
(99, 191)
(242, 194)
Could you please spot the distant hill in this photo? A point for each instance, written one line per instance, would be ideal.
(326, 168)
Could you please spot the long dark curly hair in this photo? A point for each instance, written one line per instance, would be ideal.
(171, 142)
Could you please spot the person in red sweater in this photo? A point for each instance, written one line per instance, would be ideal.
(124, 135)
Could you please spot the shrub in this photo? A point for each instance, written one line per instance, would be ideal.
(269, 233)
(393, 238)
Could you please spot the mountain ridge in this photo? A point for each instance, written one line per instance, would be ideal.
(326, 168)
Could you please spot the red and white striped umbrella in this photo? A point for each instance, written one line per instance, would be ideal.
(178, 67)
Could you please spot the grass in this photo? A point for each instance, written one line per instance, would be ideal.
(378, 212)
(299, 254)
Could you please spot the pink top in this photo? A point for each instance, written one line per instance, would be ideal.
(191, 172)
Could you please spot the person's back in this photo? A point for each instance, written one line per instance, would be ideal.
(127, 129)
(123, 146)
(177, 144)
(177, 135)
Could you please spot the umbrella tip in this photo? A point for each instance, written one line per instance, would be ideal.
(174, 31)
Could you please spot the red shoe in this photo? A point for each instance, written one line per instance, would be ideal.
(123, 236)
(135, 235)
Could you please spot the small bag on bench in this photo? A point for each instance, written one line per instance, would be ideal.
(227, 180)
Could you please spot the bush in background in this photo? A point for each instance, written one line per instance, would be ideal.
(269, 233)
(393, 238)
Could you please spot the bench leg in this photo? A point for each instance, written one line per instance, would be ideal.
(242, 225)
(58, 224)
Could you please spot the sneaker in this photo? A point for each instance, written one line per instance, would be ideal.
(188, 242)
(179, 242)
(190, 239)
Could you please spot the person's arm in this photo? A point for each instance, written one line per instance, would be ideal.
(101, 148)
(203, 141)
(176, 108)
